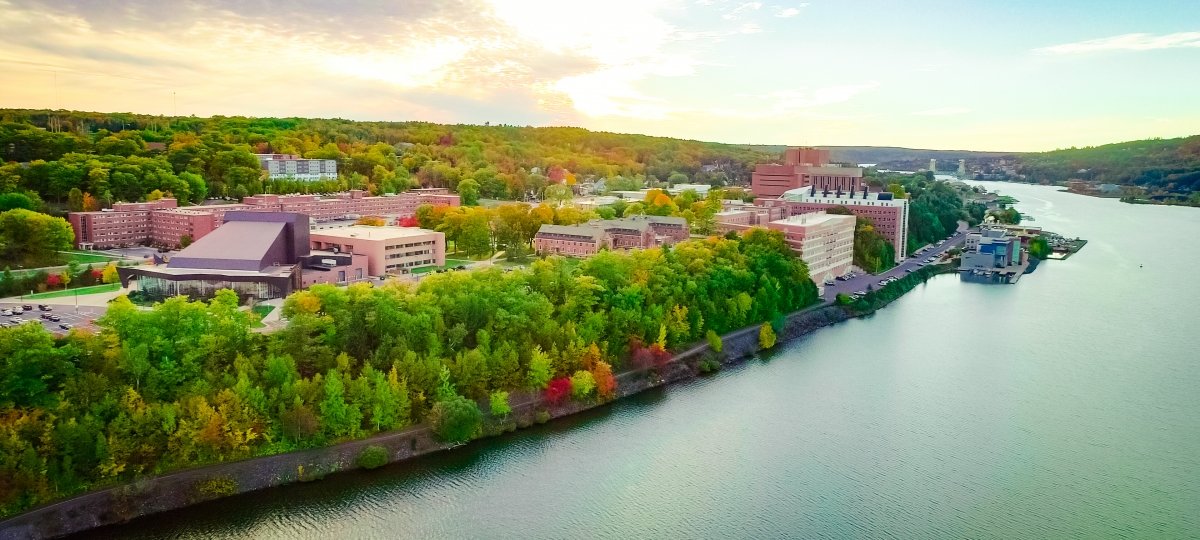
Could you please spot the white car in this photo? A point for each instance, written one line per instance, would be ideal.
(18, 320)
(17, 310)
(7, 313)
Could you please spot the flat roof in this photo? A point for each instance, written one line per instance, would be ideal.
(370, 233)
(814, 218)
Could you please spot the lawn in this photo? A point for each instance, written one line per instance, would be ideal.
(84, 257)
(94, 289)
(450, 263)
(261, 310)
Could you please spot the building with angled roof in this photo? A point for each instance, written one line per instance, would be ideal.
(803, 167)
(256, 254)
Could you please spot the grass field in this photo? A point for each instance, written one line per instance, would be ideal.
(450, 263)
(94, 289)
(84, 257)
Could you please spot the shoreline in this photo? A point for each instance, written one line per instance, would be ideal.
(125, 502)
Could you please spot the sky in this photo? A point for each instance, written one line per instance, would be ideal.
(1018, 75)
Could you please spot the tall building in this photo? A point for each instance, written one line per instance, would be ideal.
(287, 166)
(962, 168)
(803, 167)
(933, 165)
(887, 213)
(825, 242)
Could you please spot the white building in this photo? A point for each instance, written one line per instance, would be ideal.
(287, 166)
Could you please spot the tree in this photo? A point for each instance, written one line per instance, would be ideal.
(455, 419)
(583, 385)
(90, 204)
(370, 221)
(677, 177)
(498, 403)
(558, 193)
(468, 192)
(714, 341)
(539, 369)
(185, 240)
(766, 336)
(1039, 247)
(109, 275)
(558, 390)
(606, 383)
(9, 201)
(75, 200)
(33, 239)
(338, 418)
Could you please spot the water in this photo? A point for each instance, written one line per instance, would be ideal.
(1066, 406)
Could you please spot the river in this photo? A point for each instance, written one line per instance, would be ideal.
(1065, 406)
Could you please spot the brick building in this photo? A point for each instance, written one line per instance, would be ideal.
(887, 213)
(634, 232)
(804, 167)
(161, 222)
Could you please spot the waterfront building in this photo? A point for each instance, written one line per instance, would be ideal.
(825, 242)
(255, 254)
(992, 249)
(803, 167)
(634, 232)
(163, 223)
(388, 250)
(291, 167)
(888, 214)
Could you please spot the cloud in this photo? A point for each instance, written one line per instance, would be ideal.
(943, 111)
(1125, 42)
(785, 13)
(736, 12)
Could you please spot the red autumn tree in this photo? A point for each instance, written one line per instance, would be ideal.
(53, 280)
(558, 390)
(410, 221)
(606, 383)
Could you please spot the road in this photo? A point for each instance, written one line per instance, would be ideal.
(79, 319)
(861, 282)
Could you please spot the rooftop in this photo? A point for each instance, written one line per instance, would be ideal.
(243, 241)
(813, 218)
(371, 233)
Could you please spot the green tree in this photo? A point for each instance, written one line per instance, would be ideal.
(468, 192)
(498, 403)
(455, 419)
(583, 385)
(539, 369)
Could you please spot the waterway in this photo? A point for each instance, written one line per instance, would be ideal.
(1065, 406)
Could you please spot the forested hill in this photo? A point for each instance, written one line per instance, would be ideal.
(121, 156)
(1159, 164)
(889, 154)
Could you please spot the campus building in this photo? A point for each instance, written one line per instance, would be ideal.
(388, 250)
(804, 167)
(163, 223)
(825, 242)
(292, 167)
(739, 216)
(992, 249)
(634, 232)
(258, 255)
(888, 214)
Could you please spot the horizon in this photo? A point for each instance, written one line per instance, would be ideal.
(917, 77)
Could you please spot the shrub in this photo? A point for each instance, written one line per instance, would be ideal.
(766, 336)
(372, 457)
(714, 341)
(583, 385)
(558, 390)
(455, 419)
(709, 365)
(217, 486)
(498, 403)
(542, 416)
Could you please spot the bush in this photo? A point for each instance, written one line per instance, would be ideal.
(766, 336)
(498, 403)
(542, 416)
(714, 341)
(455, 419)
(709, 365)
(583, 385)
(558, 390)
(372, 457)
(219, 486)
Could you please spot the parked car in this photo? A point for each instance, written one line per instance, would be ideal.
(7, 313)
(65, 326)
(828, 282)
(44, 307)
(54, 318)
(17, 310)
(27, 307)
(18, 320)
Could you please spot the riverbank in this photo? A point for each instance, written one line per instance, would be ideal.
(176, 490)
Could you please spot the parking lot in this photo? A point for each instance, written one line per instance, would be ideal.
(83, 318)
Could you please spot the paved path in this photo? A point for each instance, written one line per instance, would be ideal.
(861, 282)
